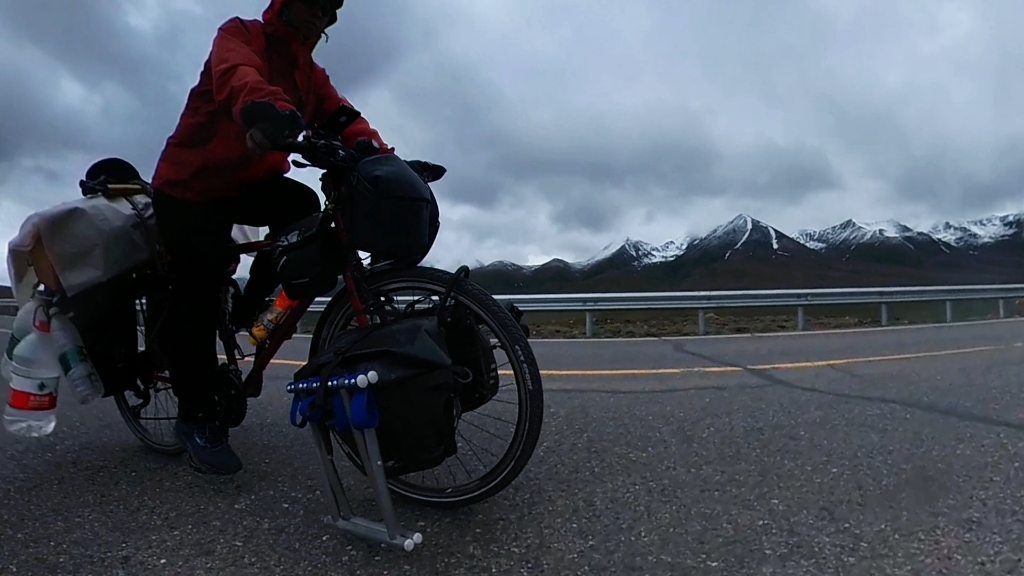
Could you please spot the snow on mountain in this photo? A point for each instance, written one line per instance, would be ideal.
(887, 242)
(972, 233)
(744, 222)
(744, 234)
(851, 233)
(640, 253)
(667, 251)
(890, 228)
(508, 266)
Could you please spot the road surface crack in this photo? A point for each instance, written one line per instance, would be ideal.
(926, 407)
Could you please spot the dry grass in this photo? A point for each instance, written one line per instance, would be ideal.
(757, 321)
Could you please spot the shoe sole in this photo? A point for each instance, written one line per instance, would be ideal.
(206, 469)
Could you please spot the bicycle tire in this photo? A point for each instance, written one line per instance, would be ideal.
(176, 448)
(122, 402)
(524, 365)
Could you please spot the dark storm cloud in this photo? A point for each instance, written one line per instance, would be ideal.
(578, 123)
(589, 167)
(141, 76)
(50, 45)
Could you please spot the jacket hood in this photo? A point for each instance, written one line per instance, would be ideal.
(277, 27)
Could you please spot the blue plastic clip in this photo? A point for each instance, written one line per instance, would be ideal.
(300, 408)
(364, 410)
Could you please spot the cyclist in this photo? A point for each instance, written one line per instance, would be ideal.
(216, 171)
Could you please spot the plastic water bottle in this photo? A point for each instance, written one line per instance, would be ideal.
(21, 329)
(74, 360)
(270, 319)
(35, 376)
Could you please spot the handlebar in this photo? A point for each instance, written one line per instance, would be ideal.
(327, 153)
(292, 147)
(319, 152)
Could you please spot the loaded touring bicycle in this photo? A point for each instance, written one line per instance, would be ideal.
(406, 386)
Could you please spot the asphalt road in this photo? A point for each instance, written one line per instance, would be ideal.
(877, 452)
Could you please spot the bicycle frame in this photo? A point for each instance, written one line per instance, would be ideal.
(253, 381)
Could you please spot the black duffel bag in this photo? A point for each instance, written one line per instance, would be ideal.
(416, 395)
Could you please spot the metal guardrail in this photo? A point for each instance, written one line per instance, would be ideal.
(718, 299)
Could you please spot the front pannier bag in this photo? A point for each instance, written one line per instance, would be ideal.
(416, 396)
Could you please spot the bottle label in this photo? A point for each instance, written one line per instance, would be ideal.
(21, 400)
(32, 393)
(73, 358)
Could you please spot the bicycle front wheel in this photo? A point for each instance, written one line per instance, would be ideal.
(465, 478)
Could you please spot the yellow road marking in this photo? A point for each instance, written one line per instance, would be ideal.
(717, 369)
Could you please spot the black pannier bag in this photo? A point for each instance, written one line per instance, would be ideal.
(306, 258)
(107, 320)
(471, 349)
(417, 393)
(392, 213)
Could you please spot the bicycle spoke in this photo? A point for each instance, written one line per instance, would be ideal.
(478, 412)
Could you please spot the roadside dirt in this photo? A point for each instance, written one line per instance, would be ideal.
(676, 326)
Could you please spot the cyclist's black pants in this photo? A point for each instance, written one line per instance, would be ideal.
(191, 232)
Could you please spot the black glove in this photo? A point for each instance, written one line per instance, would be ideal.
(428, 171)
(268, 125)
(366, 147)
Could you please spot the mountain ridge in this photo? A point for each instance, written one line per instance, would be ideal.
(748, 253)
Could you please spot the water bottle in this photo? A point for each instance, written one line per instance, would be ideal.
(74, 360)
(21, 329)
(270, 319)
(31, 409)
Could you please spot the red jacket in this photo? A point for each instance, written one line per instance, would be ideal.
(207, 156)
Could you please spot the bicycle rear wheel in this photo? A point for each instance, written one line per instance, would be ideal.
(526, 390)
(154, 382)
(156, 432)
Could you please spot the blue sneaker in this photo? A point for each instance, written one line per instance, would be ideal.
(207, 445)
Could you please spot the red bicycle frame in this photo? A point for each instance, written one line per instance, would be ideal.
(253, 382)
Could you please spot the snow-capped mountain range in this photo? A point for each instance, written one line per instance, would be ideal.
(745, 230)
(994, 243)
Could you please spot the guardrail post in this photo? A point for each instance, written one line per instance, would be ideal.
(801, 319)
(1002, 308)
(702, 322)
(590, 324)
(885, 314)
(949, 311)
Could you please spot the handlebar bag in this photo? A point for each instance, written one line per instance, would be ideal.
(392, 213)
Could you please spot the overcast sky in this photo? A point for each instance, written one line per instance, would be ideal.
(567, 124)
